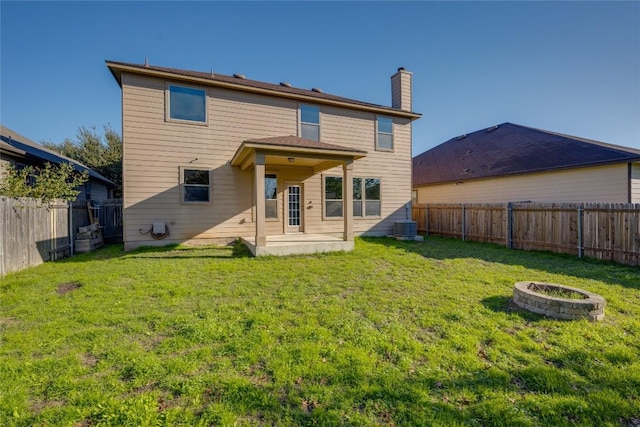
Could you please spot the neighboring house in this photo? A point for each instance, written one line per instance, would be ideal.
(209, 158)
(509, 163)
(19, 151)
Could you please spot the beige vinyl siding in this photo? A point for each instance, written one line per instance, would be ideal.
(635, 183)
(594, 184)
(357, 129)
(155, 149)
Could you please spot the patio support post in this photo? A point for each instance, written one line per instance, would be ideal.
(258, 173)
(347, 199)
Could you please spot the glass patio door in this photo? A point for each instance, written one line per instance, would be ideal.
(294, 209)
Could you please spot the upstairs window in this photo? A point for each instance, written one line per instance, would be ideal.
(271, 196)
(196, 186)
(310, 122)
(384, 133)
(187, 104)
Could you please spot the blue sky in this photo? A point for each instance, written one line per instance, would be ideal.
(571, 67)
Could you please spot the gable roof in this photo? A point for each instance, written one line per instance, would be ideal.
(15, 143)
(509, 149)
(238, 82)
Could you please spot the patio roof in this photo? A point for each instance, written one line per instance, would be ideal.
(294, 151)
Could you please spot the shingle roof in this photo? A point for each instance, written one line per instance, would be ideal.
(34, 150)
(509, 149)
(252, 85)
(294, 141)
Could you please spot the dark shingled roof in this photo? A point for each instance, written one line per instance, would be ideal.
(509, 149)
(24, 146)
(294, 141)
(247, 84)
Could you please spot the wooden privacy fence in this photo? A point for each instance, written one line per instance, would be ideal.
(107, 212)
(31, 232)
(608, 231)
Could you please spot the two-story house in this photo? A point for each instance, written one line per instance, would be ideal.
(209, 158)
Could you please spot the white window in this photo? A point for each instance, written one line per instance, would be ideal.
(310, 122)
(271, 196)
(185, 103)
(195, 185)
(384, 133)
(333, 196)
(366, 197)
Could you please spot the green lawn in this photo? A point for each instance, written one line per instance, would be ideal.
(395, 333)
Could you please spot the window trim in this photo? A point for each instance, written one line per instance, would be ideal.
(378, 132)
(31, 179)
(167, 105)
(363, 199)
(277, 199)
(300, 122)
(183, 185)
(324, 199)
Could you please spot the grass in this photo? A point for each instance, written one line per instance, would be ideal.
(395, 333)
(556, 291)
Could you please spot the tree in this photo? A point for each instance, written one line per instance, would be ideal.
(102, 153)
(46, 183)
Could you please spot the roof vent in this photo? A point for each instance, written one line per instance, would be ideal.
(461, 137)
(467, 152)
(401, 69)
(492, 128)
(316, 89)
(464, 172)
(285, 84)
(240, 76)
(146, 61)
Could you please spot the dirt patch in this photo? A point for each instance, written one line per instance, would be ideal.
(8, 321)
(40, 405)
(89, 360)
(65, 288)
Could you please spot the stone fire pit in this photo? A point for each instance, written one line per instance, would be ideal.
(558, 301)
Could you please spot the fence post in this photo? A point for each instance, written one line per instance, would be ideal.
(426, 220)
(464, 222)
(580, 230)
(510, 225)
(70, 233)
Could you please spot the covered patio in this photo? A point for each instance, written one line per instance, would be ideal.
(294, 152)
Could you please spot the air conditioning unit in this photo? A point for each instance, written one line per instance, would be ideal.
(405, 228)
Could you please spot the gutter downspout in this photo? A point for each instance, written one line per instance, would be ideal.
(629, 176)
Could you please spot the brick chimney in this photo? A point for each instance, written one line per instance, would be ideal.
(401, 89)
